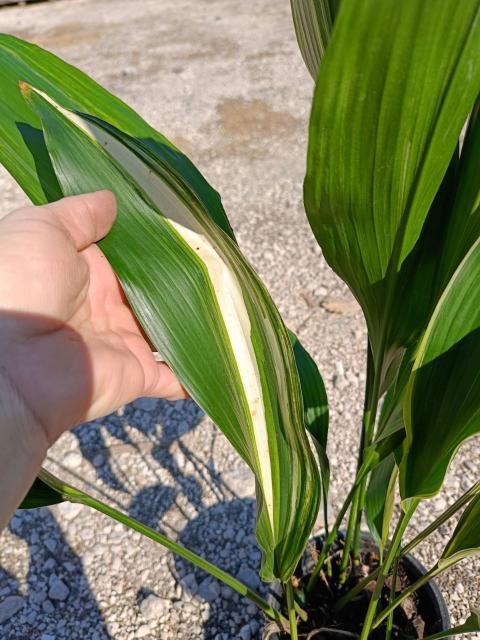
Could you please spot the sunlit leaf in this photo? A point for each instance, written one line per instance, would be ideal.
(394, 90)
(442, 402)
(315, 404)
(465, 540)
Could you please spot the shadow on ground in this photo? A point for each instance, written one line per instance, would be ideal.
(222, 533)
(56, 585)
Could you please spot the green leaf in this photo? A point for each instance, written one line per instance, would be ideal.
(206, 312)
(442, 402)
(464, 225)
(395, 88)
(465, 540)
(40, 495)
(315, 406)
(313, 22)
(22, 147)
(379, 500)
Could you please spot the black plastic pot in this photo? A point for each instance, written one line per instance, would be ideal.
(431, 602)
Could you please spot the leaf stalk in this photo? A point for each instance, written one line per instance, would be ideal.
(73, 494)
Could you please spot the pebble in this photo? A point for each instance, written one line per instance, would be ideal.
(143, 631)
(73, 460)
(209, 589)
(241, 481)
(189, 583)
(9, 607)
(245, 632)
(58, 589)
(229, 533)
(51, 545)
(249, 577)
(154, 607)
(48, 607)
(37, 597)
(145, 404)
(70, 510)
(98, 460)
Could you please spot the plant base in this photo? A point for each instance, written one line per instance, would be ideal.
(424, 614)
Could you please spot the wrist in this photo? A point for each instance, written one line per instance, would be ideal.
(24, 446)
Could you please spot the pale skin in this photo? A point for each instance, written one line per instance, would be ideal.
(71, 348)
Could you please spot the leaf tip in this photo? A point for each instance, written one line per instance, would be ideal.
(25, 89)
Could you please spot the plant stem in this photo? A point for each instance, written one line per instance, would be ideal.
(408, 592)
(446, 515)
(325, 514)
(349, 537)
(390, 557)
(393, 591)
(329, 541)
(292, 616)
(370, 408)
(75, 495)
(358, 528)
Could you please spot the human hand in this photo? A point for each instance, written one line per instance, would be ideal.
(70, 343)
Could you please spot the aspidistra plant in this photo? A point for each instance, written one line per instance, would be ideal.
(393, 200)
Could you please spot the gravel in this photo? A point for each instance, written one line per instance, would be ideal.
(228, 86)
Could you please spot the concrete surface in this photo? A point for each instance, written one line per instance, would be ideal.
(225, 81)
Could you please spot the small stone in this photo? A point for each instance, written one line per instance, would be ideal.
(72, 460)
(70, 510)
(154, 607)
(37, 597)
(58, 589)
(98, 460)
(9, 607)
(339, 368)
(229, 533)
(341, 306)
(254, 626)
(31, 617)
(245, 632)
(47, 636)
(249, 577)
(189, 583)
(241, 481)
(48, 607)
(226, 592)
(51, 545)
(209, 589)
(143, 631)
(145, 404)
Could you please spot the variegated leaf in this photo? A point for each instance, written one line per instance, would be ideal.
(205, 310)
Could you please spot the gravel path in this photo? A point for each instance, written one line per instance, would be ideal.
(225, 81)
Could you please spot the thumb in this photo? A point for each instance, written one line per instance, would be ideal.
(87, 218)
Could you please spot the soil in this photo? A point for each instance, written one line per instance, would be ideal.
(325, 623)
